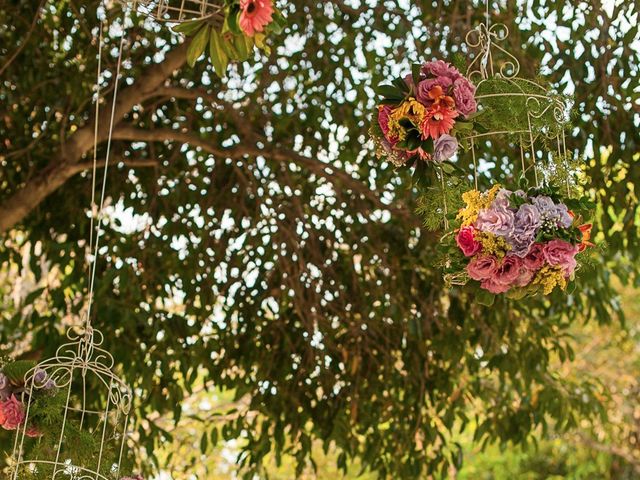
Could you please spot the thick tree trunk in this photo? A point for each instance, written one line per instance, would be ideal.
(67, 162)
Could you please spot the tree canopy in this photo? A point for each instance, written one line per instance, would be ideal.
(255, 244)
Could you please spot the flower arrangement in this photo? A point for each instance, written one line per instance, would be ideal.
(419, 116)
(520, 243)
(15, 395)
(246, 25)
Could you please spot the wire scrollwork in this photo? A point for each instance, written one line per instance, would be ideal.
(177, 11)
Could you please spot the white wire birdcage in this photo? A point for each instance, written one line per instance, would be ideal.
(547, 113)
(178, 11)
(95, 413)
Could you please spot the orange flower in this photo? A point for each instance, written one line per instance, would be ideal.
(586, 236)
(438, 121)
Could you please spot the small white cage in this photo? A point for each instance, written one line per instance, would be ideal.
(92, 429)
(178, 11)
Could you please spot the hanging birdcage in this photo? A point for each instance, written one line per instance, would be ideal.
(532, 116)
(76, 395)
(178, 11)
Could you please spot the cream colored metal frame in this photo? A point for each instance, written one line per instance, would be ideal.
(177, 11)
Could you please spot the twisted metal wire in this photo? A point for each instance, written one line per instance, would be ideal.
(176, 11)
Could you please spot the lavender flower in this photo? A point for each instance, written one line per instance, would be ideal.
(526, 225)
(552, 216)
(440, 68)
(502, 199)
(498, 221)
(444, 148)
(425, 86)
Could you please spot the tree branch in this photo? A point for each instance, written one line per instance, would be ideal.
(64, 164)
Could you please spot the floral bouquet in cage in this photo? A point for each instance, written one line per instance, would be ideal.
(232, 33)
(420, 117)
(16, 396)
(518, 242)
(69, 414)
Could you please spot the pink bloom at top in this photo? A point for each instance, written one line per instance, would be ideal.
(438, 121)
(482, 267)
(467, 242)
(535, 258)
(464, 92)
(562, 254)
(12, 413)
(440, 68)
(255, 15)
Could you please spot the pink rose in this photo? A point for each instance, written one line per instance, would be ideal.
(561, 253)
(493, 286)
(482, 267)
(425, 86)
(466, 241)
(12, 413)
(440, 68)
(534, 260)
(464, 93)
(508, 271)
(525, 276)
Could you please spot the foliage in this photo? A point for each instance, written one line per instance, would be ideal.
(252, 239)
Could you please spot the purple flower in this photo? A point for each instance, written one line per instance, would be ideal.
(440, 68)
(42, 380)
(444, 148)
(526, 224)
(464, 93)
(5, 387)
(425, 86)
(502, 199)
(552, 215)
(498, 221)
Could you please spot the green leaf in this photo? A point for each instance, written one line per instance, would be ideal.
(484, 297)
(232, 20)
(197, 46)
(16, 371)
(189, 28)
(243, 45)
(219, 58)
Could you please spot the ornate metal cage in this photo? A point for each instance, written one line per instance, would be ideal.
(100, 419)
(547, 113)
(177, 11)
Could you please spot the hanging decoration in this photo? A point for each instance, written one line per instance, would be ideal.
(227, 30)
(519, 241)
(420, 115)
(70, 413)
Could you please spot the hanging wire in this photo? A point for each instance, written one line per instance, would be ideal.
(104, 182)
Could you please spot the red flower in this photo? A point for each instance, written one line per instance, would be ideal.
(467, 242)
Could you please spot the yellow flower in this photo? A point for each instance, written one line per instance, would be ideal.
(411, 110)
(476, 201)
(549, 277)
(492, 244)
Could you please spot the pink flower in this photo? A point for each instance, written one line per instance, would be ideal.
(440, 68)
(493, 286)
(33, 432)
(561, 253)
(12, 413)
(438, 121)
(466, 241)
(482, 267)
(535, 259)
(425, 87)
(525, 275)
(464, 93)
(383, 120)
(255, 15)
(508, 271)
(137, 477)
